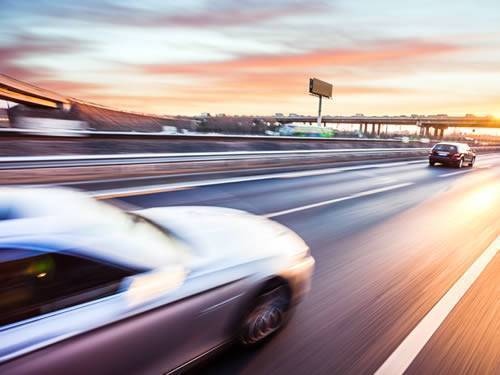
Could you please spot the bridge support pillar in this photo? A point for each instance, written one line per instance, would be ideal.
(427, 131)
(379, 127)
(441, 133)
(373, 129)
(436, 132)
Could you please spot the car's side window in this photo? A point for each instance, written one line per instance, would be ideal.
(34, 283)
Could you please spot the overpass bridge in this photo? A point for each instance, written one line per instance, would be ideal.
(45, 104)
(33, 96)
(16, 91)
(425, 123)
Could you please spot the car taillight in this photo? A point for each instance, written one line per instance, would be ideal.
(454, 156)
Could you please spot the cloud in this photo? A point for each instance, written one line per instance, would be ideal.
(309, 60)
(128, 52)
(262, 79)
(233, 99)
(70, 88)
(230, 13)
(207, 14)
(280, 78)
(13, 54)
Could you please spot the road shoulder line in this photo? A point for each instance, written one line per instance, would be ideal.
(410, 347)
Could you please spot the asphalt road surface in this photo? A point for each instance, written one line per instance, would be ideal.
(390, 245)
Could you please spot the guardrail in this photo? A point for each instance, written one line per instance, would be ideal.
(21, 143)
(92, 133)
(75, 168)
(66, 161)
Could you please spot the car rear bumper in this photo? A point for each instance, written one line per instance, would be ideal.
(443, 160)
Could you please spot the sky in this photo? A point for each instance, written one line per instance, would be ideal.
(245, 57)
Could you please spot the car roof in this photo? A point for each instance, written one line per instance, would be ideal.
(457, 144)
(17, 203)
(67, 220)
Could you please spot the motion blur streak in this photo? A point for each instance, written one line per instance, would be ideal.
(404, 355)
(382, 262)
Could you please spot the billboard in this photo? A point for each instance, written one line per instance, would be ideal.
(320, 88)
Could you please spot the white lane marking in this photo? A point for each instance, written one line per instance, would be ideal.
(407, 351)
(142, 190)
(12, 159)
(381, 180)
(315, 172)
(465, 171)
(347, 169)
(336, 200)
(455, 173)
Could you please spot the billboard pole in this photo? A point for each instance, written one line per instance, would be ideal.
(320, 89)
(319, 110)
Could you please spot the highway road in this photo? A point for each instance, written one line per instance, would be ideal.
(392, 244)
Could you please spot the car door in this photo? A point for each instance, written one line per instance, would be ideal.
(64, 314)
(222, 307)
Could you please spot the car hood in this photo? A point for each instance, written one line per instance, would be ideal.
(227, 236)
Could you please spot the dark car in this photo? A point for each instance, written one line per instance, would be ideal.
(452, 154)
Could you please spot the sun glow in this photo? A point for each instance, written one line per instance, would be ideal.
(482, 199)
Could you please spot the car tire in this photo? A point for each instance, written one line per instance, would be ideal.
(460, 163)
(268, 314)
(432, 163)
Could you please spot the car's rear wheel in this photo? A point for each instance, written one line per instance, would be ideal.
(266, 317)
(460, 163)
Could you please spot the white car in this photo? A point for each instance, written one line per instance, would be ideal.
(87, 288)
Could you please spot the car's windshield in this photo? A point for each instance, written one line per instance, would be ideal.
(139, 238)
(119, 235)
(146, 231)
(444, 147)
